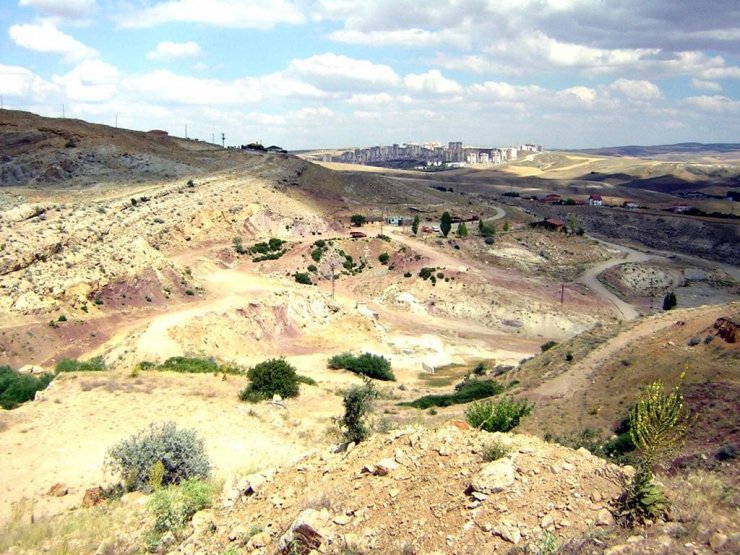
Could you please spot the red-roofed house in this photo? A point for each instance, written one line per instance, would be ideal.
(595, 200)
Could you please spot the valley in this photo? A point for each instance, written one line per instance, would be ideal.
(136, 248)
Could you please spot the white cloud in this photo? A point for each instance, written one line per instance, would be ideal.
(90, 81)
(162, 85)
(167, 51)
(716, 103)
(246, 14)
(16, 81)
(416, 38)
(62, 8)
(45, 37)
(335, 72)
(705, 85)
(636, 90)
(584, 95)
(431, 82)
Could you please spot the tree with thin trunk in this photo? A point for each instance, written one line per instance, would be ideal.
(415, 225)
(329, 264)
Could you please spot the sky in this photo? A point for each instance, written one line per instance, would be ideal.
(309, 74)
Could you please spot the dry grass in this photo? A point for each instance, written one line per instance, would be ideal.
(79, 531)
(703, 502)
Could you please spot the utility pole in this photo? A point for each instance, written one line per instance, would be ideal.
(186, 130)
(116, 121)
(562, 293)
(213, 138)
(223, 140)
(62, 111)
(2, 103)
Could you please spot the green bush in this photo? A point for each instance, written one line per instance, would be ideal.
(383, 237)
(95, 364)
(383, 258)
(470, 390)
(670, 301)
(190, 365)
(306, 380)
(426, 273)
(357, 401)
(312, 268)
(503, 416)
(367, 364)
(174, 506)
(316, 254)
(181, 452)
(643, 500)
(302, 278)
(547, 346)
(271, 377)
(17, 388)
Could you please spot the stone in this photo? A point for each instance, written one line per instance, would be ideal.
(547, 522)
(93, 496)
(304, 534)
(385, 466)
(342, 520)
(596, 496)
(616, 549)
(717, 540)
(134, 498)
(394, 492)
(509, 532)
(58, 490)
(604, 518)
(31, 369)
(479, 496)
(259, 540)
(494, 477)
(202, 520)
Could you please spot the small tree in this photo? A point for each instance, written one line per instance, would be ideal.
(383, 258)
(462, 230)
(506, 226)
(271, 377)
(658, 425)
(357, 220)
(357, 401)
(415, 225)
(445, 224)
(670, 301)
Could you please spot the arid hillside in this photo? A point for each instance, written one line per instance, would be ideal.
(128, 249)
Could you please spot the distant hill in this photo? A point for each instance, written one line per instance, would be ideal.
(694, 149)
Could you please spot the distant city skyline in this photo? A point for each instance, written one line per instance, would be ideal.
(309, 74)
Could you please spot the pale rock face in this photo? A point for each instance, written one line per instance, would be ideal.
(494, 477)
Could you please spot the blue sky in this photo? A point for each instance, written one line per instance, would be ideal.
(339, 73)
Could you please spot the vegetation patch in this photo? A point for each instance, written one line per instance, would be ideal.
(179, 453)
(17, 388)
(191, 365)
(95, 364)
(271, 377)
(366, 364)
(465, 392)
(502, 416)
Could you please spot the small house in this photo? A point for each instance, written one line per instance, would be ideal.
(551, 224)
(630, 205)
(595, 200)
(680, 208)
(552, 199)
(357, 234)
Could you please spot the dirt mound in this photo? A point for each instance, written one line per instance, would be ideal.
(416, 491)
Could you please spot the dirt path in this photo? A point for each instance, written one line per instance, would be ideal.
(590, 277)
(577, 377)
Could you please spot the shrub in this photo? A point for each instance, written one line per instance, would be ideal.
(95, 364)
(383, 258)
(189, 292)
(643, 500)
(503, 416)
(367, 364)
(426, 273)
(62, 318)
(303, 278)
(357, 401)
(547, 346)
(694, 341)
(494, 451)
(306, 380)
(189, 365)
(383, 237)
(670, 301)
(17, 388)
(415, 225)
(357, 220)
(407, 275)
(462, 230)
(316, 254)
(271, 377)
(312, 268)
(467, 391)
(180, 451)
(174, 506)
